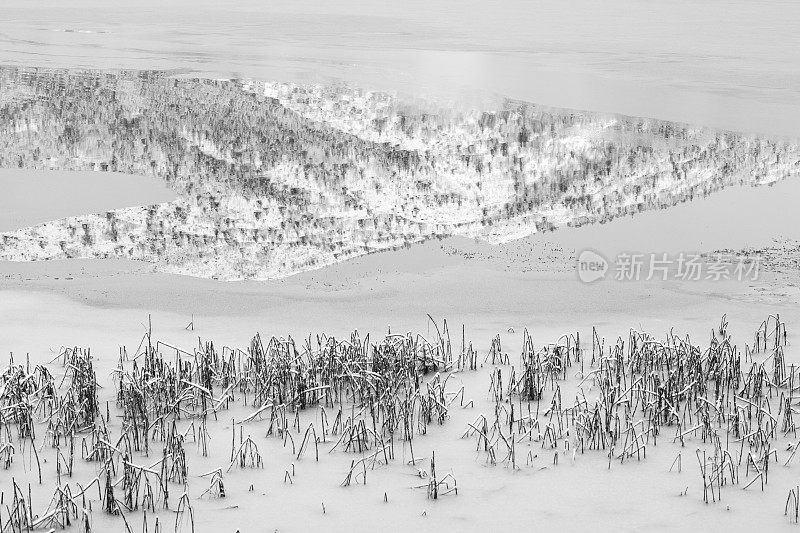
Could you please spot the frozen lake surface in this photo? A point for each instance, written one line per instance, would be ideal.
(35, 196)
(729, 64)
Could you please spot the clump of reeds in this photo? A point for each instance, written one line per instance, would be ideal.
(216, 487)
(246, 455)
(792, 507)
(435, 485)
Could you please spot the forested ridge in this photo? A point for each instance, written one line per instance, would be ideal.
(274, 178)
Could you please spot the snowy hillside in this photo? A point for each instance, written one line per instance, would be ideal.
(273, 179)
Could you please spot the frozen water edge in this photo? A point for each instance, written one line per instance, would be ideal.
(33, 197)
